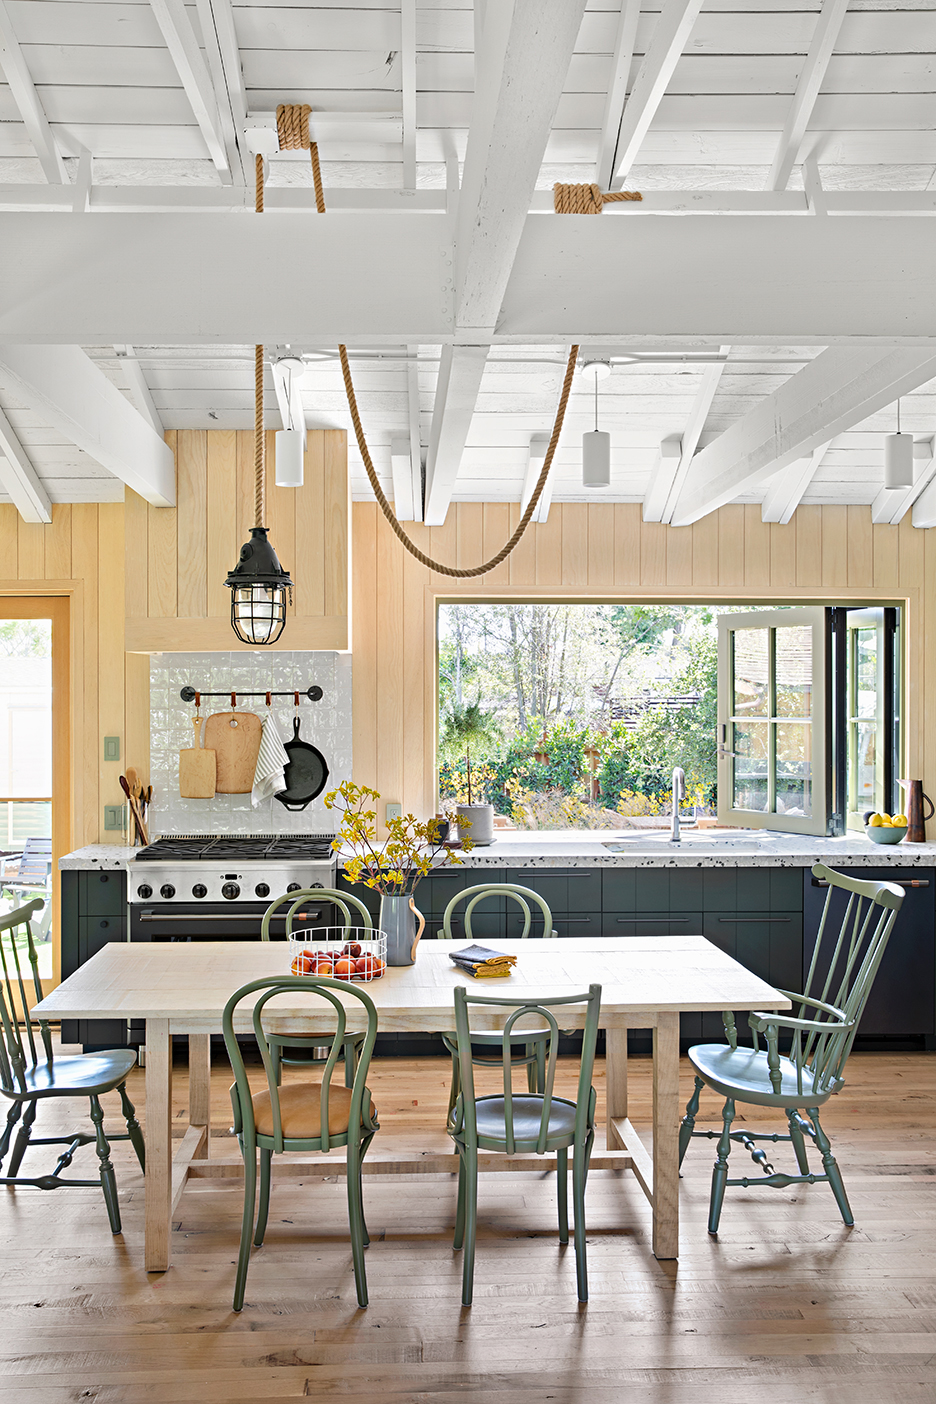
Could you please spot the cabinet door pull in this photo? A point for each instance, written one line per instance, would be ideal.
(899, 882)
(104, 924)
(754, 918)
(642, 918)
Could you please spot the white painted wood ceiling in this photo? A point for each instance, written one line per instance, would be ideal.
(107, 83)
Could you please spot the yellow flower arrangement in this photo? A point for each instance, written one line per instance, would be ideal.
(411, 849)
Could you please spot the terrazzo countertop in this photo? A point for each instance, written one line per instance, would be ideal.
(97, 855)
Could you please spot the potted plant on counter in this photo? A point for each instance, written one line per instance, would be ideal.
(394, 867)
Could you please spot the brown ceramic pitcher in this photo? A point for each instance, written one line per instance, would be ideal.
(916, 819)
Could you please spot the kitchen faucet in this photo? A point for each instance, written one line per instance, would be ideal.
(679, 793)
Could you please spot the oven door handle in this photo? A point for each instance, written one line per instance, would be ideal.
(225, 916)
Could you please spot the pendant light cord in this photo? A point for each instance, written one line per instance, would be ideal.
(292, 125)
(259, 437)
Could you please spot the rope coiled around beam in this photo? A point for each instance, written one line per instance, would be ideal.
(588, 199)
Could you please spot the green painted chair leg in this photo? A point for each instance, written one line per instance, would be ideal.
(562, 1193)
(579, 1172)
(471, 1224)
(687, 1125)
(350, 1061)
(356, 1222)
(455, 1085)
(21, 1144)
(799, 1142)
(720, 1172)
(13, 1116)
(263, 1213)
(540, 1067)
(108, 1178)
(250, 1200)
(459, 1235)
(134, 1130)
(830, 1166)
(364, 1146)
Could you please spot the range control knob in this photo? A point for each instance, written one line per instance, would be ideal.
(230, 890)
(167, 890)
(294, 887)
(316, 884)
(262, 889)
(199, 890)
(145, 891)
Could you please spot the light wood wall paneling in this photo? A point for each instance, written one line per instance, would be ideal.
(653, 554)
(367, 722)
(111, 713)
(333, 540)
(756, 549)
(391, 657)
(58, 534)
(309, 563)
(731, 546)
(444, 548)
(495, 532)
(704, 549)
(575, 545)
(834, 546)
(136, 566)
(783, 555)
(886, 574)
(163, 554)
(627, 529)
(679, 556)
(419, 671)
(469, 536)
(549, 548)
(31, 560)
(600, 561)
(222, 543)
(244, 509)
(192, 521)
(808, 546)
(281, 513)
(89, 821)
(521, 563)
(137, 712)
(9, 540)
(860, 546)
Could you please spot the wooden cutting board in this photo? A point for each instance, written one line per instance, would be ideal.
(236, 749)
(197, 769)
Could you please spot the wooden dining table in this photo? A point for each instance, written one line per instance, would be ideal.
(181, 987)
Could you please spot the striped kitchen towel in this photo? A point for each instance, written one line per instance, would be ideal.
(272, 759)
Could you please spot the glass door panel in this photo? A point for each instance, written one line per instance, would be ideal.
(871, 712)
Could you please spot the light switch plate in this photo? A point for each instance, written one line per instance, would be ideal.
(112, 748)
(115, 816)
(394, 811)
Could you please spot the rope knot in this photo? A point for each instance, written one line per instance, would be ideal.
(588, 199)
(292, 126)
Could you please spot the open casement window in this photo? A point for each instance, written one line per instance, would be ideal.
(772, 720)
(871, 688)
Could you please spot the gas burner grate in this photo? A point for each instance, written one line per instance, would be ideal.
(227, 848)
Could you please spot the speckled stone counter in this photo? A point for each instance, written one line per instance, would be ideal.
(97, 856)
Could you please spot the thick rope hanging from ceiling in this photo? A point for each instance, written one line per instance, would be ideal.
(588, 199)
(259, 438)
(292, 125)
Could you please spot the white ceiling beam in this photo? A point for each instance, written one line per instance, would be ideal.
(539, 443)
(810, 81)
(664, 51)
(812, 185)
(408, 91)
(786, 488)
(23, 92)
(890, 505)
(19, 478)
(414, 413)
(617, 91)
(526, 48)
(84, 179)
(139, 389)
(838, 389)
(75, 397)
(692, 434)
(662, 478)
(172, 18)
(740, 281)
(401, 471)
(216, 20)
(924, 508)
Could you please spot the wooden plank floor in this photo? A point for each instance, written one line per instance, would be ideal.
(786, 1303)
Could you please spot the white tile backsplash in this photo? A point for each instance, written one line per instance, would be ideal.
(327, 724)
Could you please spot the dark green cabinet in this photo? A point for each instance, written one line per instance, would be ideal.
(94, 912)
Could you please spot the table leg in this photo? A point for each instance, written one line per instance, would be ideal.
(666, 1136)
(615, 1083)
(199, 1052)
(158, 1144)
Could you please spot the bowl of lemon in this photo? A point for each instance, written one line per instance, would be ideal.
(886, 828)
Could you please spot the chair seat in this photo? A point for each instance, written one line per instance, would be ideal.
(301, 1111)
(317, 1038)
(742, 1075)
(527, 1111)
(79, 1075)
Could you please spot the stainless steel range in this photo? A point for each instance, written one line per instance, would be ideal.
(209, 886)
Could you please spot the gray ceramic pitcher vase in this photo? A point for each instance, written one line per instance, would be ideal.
(398, 918)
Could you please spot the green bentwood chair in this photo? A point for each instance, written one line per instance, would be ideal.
(304, 1046)
(823, 1025)
(303, 1116)
(529, 1048)
(534, 1124)
(29, 1073)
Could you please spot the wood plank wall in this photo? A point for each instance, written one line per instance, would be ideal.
(595, 551)
(177, 558)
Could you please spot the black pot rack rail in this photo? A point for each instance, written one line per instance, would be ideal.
(314, 694)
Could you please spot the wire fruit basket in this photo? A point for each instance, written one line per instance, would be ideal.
(339, 953)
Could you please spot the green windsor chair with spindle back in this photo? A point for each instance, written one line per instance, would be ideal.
(301, 1116)
(528, 1048)
(537, 1124)
(29, 1073)
(304, 1047)
(823, 1026)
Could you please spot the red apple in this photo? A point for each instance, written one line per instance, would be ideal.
(353, 948)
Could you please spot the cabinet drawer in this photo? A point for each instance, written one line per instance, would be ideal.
(768, 943)
(102, 894)
(562, 889)
(653, 923)
(658, 890)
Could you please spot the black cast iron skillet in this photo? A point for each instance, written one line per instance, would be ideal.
(306, 774)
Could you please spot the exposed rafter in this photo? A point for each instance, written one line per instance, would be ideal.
(401, 470)
(891, 506)
(660, 500)
(23, 92)
(924, 508)
(19, 478)
(408, 89)
(539, 443)
(414, 413)
(617, 91)
(786, 488)
(662, 478)
(216, 20)
(841, 387)
(139, 389)
(669, 37)
(460, 372)
(807, 90)
(73, 395)
(172, 18)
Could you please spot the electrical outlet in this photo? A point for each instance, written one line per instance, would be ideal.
(394, 811)
(112, 748)
(115, 816)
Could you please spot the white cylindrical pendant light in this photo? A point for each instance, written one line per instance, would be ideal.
(289, 458)
(596, 459)
(898, 460)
